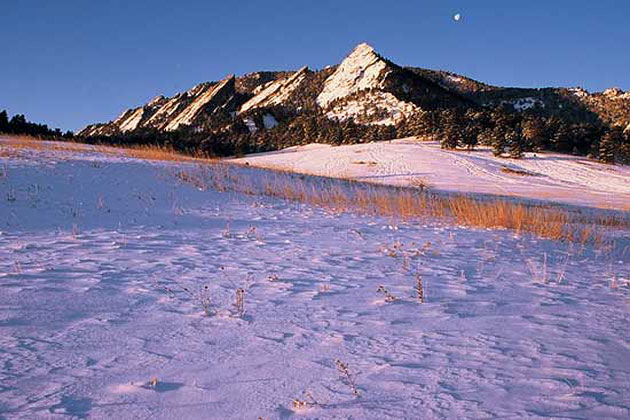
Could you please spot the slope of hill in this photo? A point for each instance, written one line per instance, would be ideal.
(547, 177)
(120, 299)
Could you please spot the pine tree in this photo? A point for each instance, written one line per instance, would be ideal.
(471, 128)
(533, 132)
(624, 150)
(18, 124)
(515, 144)
(486, 137)
(4, 122)
(498, 141)
(609, 145)
(451, 137)
(469, 136)
(561, 140)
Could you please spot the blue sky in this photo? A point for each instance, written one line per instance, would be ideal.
(68, 63)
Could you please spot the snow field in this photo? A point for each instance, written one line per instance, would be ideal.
(551, 177)
(96, 253)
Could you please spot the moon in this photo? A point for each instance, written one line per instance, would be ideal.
(457, 17)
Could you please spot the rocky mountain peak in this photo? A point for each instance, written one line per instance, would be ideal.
(362, 69)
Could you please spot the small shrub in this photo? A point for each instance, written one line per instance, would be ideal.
(346, 377)
(388, 296)
(239, 302)
(419, 288)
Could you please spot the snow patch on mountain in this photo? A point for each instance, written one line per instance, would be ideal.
(527, 103)
(362, 69)
(579, 92)
(520, 104)
(373, 108)
(455, 79)
(276, 92)
(269, 121)
(251, 125)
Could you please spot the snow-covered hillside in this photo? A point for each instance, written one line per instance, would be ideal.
(107, 265)
(542, 176)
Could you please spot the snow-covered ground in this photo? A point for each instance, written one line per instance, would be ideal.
(544, 176)
(96, 254)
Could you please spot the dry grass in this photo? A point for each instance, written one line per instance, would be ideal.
(162, 153)
(419, 288)
(340, 196)
(552, 222)
(519, 172)
(239, 302)
(147, 152)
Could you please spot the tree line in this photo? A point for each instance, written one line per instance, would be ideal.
(510, 134)
(18, 124)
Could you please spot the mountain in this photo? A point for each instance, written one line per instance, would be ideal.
(275, 92)
(364, 87)
(372, 90)
(368, 97)
(170, 114)
(577, 104)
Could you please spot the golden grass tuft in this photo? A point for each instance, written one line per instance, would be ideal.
(546, 221)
